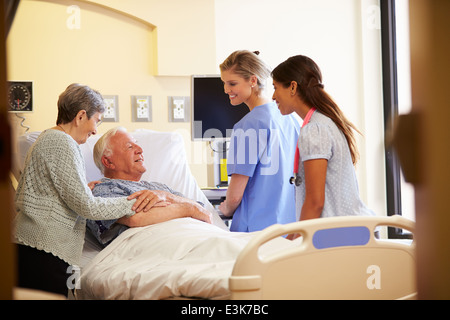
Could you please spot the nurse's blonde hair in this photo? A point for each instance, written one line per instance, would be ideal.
(246, 64)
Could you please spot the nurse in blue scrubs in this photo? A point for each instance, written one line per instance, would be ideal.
(261, 152)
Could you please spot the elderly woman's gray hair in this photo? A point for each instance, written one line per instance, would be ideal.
(102, 148)
(78, 97)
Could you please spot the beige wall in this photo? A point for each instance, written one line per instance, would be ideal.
(344, 38)
(151, 47)
(126, 49)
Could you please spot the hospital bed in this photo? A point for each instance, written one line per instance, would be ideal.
(335, 258)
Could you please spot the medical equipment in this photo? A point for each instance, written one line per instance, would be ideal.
(213, 116)
(296, 179)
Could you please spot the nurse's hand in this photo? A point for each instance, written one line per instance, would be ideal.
(293, 236)
(235, 192)
(225, 210)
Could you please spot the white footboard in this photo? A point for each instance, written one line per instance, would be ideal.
(336, 258)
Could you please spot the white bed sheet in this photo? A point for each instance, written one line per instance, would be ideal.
(178, 258)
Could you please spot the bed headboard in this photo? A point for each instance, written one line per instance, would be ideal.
(164, 157)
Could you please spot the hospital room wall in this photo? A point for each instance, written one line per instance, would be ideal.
(120, 48)
(343, 38)
(136, 47)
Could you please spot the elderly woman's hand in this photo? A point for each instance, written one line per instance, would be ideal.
(147, 199)
(92, 184)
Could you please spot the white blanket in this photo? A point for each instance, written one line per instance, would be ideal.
(178, 258)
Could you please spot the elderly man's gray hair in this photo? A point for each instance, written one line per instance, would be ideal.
(102, 147)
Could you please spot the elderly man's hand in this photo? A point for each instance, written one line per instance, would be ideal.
(200, 213)
(147, 199)
(155, 206)
(181, 207)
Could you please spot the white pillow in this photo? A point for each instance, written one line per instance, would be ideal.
(164, 157)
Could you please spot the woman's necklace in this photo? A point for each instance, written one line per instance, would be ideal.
(62, 129)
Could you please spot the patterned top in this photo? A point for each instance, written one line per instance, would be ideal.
(53, 199)
(106, 231)
(321, 139)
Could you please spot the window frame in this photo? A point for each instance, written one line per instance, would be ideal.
(390, 102)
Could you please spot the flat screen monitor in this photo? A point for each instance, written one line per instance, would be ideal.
(213, 116)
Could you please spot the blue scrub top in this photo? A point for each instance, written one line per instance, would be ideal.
(262, 147)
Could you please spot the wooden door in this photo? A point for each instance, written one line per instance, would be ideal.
(430, 72)
(7, 249)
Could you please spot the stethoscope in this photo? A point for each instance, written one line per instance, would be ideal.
(296, 179)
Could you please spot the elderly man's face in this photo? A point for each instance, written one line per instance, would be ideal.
(127, 159)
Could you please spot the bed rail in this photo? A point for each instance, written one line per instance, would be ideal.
(336, 258)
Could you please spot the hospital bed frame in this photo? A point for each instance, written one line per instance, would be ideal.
(338, 258)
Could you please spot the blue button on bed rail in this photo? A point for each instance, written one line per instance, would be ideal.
(340, 237)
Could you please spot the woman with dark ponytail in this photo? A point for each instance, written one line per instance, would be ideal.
(326, 183)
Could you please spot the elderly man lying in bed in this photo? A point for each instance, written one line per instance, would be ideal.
(121, 161)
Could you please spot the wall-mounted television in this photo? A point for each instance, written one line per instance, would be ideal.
(213, 116)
